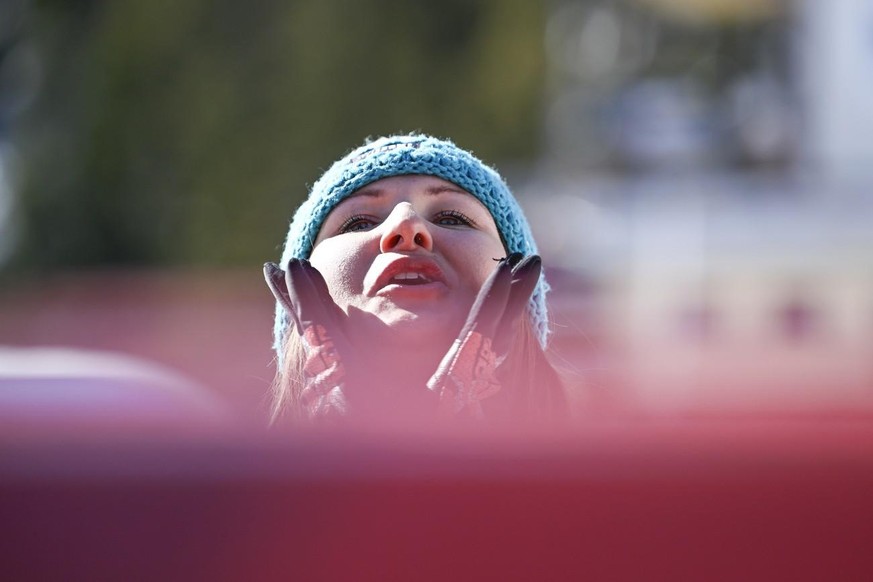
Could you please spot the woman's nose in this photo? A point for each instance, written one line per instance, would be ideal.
(405, 230)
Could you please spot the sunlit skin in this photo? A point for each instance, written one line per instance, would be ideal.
(404, 257)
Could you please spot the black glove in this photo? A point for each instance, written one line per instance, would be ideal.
(303, 293)
(467, 373)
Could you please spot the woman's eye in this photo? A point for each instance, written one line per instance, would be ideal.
(357, 223)
(453, 218)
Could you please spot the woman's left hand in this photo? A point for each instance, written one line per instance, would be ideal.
(467, 373)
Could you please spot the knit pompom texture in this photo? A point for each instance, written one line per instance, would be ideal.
(406, 155)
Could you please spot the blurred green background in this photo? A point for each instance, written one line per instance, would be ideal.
(179, 132)
(170, 132)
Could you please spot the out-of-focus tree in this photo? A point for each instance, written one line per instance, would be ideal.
(186, 131)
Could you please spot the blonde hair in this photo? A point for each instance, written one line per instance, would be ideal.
(289, 380)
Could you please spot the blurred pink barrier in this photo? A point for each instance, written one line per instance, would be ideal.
(614, 500)
(212, 327)
(56, 392)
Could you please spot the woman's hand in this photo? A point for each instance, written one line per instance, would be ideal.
(303, 293)
(467, 373)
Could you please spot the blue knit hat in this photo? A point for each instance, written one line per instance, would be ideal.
(404, 155)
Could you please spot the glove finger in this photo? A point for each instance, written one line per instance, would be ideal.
(513, 259)
(305, 294)
(525, 263)
(488, 308)
(525, 276)
(277, 282)
(316, 277)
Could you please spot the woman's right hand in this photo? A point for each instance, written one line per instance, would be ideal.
(304, 295)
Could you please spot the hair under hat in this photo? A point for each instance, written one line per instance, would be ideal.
(404, 155)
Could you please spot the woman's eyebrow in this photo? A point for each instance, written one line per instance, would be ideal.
(441, 188)
(368, 191)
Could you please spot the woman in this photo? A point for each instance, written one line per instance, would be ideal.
(411, 289)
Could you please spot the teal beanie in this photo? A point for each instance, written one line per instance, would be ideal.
(404, 155)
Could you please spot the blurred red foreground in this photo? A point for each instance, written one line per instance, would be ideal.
(114, 470)
(629, 500)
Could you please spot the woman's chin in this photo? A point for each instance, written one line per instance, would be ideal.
(414, 329)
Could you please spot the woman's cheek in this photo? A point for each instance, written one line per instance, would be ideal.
(476, 257)
(343, 268)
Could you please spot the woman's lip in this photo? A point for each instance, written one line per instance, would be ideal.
(423, 266)
(422, 290)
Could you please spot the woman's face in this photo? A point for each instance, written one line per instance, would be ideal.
(407, 254)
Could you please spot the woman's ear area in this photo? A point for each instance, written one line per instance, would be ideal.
(275, 278)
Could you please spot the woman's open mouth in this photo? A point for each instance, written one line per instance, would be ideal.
(410, 278)
(414, 274)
